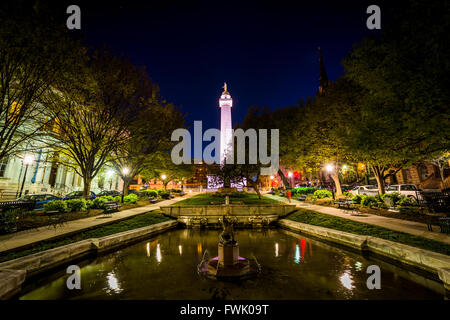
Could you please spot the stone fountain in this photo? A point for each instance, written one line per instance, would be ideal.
(228, 263)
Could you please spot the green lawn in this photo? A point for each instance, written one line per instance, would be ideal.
(208, 198)
(139, 221)
(323, 220)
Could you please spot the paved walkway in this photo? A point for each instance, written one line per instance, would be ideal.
(411, 227)
(26, 237)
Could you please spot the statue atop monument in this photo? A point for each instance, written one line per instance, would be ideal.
(225, 90)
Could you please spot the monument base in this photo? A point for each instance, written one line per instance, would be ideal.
(228, 254)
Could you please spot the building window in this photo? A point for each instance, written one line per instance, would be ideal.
(3, 165)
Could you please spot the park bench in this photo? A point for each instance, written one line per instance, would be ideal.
(151, 199)
(444, 224)
(345, 203)
(301, 197)
(348, 205)
(436, 202)
(171, 196)
(18, 204)
(55, 218)
(110, 207)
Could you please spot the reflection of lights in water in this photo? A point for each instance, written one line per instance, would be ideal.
(199, 249)
(158, 253)
(180, 248)
(358, 266)
(113, 283)
(346, 280)
(148, 249)
(297, 254)
(276, 249)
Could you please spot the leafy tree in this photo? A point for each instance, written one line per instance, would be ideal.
(163, 165)
(148, 134)
(34, 52)
(91, 108)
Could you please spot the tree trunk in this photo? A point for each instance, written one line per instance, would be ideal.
(255, 186)
(379, 176)
(337, 183)
(86, 187)
(126, 185)
(441, 174)
(285, 181)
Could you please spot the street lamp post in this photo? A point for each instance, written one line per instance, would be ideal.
(290, 179)
(125, 172)
(163, 177)
(27, 160)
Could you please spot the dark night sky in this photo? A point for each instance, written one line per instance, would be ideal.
(265, 51)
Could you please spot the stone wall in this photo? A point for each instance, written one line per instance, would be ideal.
(435, 263)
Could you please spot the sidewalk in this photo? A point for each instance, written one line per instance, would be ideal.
(411, 227)
(26, 237)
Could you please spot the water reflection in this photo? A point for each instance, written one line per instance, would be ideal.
(347, 280)
(297, 254)
(158, 253)
(113, 283)
(330, 273)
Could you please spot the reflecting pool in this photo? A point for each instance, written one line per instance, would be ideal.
(293, 267)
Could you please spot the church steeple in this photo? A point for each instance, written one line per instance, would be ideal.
(323, 80)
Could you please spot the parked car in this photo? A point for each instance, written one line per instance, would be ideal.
(346, 188)
(113, 193)
(409, 190)
(78, 195)
(367, 190)
(39, 199)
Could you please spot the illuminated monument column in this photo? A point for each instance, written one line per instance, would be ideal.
(226, 135)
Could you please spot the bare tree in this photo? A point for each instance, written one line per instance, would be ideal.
(91, 109)
(33, 54)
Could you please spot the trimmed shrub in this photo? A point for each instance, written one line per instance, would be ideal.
(151, 193)
(90, 204)
(303, 190)
(321, 194)
(406, 201)
(164, 194)
(56, 205)
(75, 205)
(369, 201)
(347, 194)
(357, 198)
(99, 202)
(131, 198)
(391, 198)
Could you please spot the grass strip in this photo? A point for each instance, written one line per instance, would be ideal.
(136, 222)
(206, 199)
(327, 221)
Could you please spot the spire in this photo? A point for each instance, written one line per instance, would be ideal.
(323, 80)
